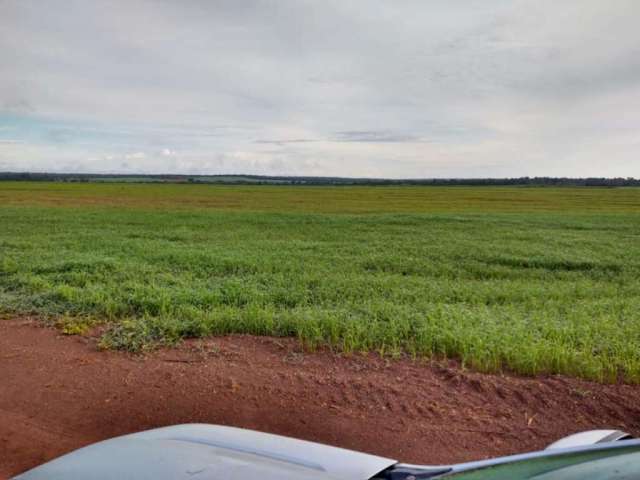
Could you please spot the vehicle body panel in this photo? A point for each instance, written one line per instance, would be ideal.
(589, 438)
(209, 452)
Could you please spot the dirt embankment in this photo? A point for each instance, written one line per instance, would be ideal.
(59, 393)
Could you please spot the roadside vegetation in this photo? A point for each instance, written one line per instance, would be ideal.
(533, 280)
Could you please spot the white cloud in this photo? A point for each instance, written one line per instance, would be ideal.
(394, 89)
(135, 156)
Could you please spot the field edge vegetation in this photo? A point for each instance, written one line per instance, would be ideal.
(529, 292)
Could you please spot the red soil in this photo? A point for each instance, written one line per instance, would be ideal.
(59, 393)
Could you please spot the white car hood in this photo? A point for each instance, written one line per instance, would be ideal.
(208, 452)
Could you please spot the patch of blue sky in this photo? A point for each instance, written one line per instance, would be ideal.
(39, 130)
(43, 130)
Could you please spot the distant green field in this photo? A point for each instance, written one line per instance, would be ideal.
(324, 199)
(533, 280)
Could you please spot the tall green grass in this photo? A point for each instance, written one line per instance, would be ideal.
(528, 292)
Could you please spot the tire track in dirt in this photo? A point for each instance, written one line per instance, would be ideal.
(59, 393)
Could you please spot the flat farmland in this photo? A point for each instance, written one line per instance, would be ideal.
(527, 280)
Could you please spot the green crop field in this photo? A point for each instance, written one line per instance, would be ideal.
(532, 280)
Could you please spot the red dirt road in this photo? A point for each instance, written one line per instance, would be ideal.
(59, 393)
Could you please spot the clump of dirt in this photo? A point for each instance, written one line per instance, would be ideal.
(58, 393)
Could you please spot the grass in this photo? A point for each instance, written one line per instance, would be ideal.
(533, 280)
(324, 199)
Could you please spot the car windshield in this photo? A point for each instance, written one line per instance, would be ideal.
(618, 463)
(622, 467)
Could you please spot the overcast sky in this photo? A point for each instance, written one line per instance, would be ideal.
(365, 88)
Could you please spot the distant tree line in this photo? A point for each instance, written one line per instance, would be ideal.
(285, 180)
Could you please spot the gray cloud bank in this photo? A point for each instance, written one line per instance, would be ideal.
(348, 88)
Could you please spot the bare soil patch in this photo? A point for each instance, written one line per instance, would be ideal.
(58, 393)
